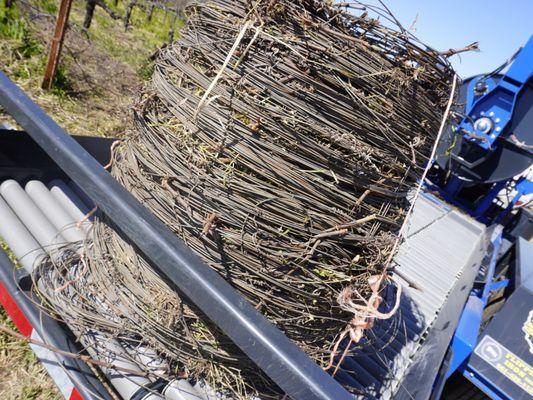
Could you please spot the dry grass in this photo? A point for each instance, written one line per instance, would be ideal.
(22, 377)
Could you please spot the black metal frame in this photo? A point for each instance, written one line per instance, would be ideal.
(286, 364)
(22, 159)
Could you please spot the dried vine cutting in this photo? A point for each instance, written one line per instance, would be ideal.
(279, 140)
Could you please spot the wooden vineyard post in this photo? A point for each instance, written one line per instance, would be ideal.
(57, 43)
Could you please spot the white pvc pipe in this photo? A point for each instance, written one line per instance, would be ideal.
(110, 351)
(21, 242)
(71, 202)
(48, 212)
(176, 389)
(57, 215)
(180, 389)
(48, 237)
(206, 392)
(31, 216)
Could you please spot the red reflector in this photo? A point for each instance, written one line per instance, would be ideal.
(75, 395)
(14, 312)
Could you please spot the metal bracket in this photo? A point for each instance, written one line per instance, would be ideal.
(491, 112)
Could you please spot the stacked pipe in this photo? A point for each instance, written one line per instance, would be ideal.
(42, 225)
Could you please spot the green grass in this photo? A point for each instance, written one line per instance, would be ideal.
(61, 85)
(24, 378)
(25, 355)
(134, 46)
(27, 53)
(12, 25)
(47, 6)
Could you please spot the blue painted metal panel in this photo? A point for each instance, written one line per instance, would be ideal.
(471, 91)
(522, 69)
(465, 337)
(502, 360)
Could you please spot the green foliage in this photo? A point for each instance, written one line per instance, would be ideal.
(159, 25)
(143, 37)
(14, 29)
(47, 6)
(12, 25)
(146, 69)
(62, 84)
(156, 29)
(28, 46)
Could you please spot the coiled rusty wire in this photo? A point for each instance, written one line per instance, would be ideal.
(279, 140)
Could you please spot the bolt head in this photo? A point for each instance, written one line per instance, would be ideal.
(483, 125)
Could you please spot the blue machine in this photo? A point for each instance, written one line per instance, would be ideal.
(484, 155)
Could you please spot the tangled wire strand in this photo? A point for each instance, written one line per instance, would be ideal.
(279, 140)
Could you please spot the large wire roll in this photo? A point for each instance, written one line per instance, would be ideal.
(279, 140)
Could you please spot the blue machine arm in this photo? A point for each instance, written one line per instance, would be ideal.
(492, 109)
(486, 152)
(494, 351)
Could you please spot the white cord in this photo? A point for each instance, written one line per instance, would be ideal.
(431, 157)
(401, 233)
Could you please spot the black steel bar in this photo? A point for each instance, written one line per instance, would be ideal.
(269, 348)
(51, 333)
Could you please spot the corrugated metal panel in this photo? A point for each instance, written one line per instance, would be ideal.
(442, 248)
